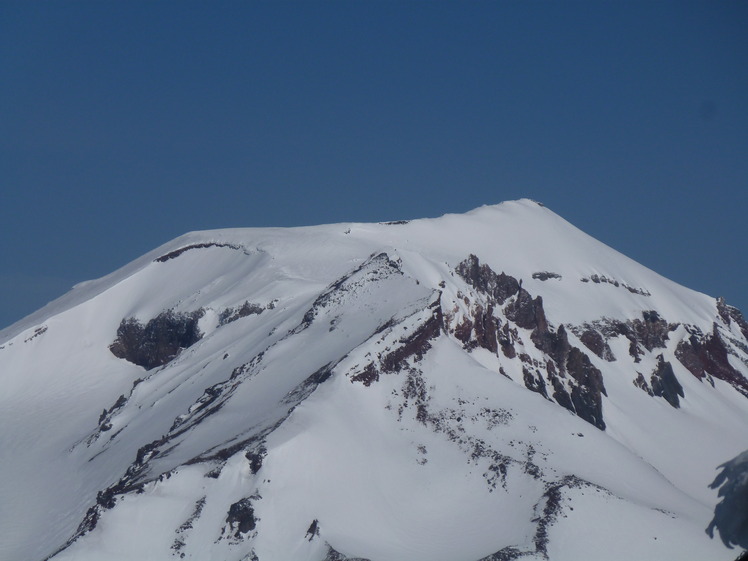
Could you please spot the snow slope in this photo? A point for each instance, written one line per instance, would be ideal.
(493, 385)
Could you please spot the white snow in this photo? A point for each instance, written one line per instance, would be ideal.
(380, 482)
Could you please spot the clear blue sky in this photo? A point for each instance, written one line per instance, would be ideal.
(125, 124)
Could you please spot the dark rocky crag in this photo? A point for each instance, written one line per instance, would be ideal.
(651, 332)
(241, 517)
(499, 317)
(177, 252)
(574, 382)
(665, 384)
(157, 342)
(706, 355)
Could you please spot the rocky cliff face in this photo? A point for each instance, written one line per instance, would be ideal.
(158, 341)
(565, 374)
(422, 391)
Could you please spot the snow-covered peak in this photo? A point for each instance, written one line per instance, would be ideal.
(522, 238)
(489, 385)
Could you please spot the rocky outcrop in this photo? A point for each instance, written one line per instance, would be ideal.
(570, 378)
(602, 279)
(157, 342)
(569, 375)
(232, 314)
(186, 526)
(377, 267)
(241, 517)
(414, 347)
(313, 530)
(595, 342)
(642, 384)
(650, 332)
(665, 384)
(545, 275)
(483, 278)
(305, 388)
(177, 252)
(730, 314)
(106, 415)
(37, 332)
(705, 355)
(255, 457)
(210, 402)
(552, 508)
(586, 393)
(526, 312)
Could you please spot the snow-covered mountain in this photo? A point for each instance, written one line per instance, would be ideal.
(489, 386)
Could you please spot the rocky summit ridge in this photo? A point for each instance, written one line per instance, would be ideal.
(489, 386)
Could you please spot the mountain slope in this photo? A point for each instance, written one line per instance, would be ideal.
(494, 385)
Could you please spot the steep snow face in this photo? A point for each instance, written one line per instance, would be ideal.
(494, 385)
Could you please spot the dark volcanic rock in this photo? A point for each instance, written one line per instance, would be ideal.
(241, 517)
(556, 345)
(210, 402)
(483, 329)
(157, 342)
(255, 458)
(417, 344)
(486, 328)
(483, 278)
(527, 312)
(553, 507)
(587, 389)
(506, 340)
(586, 394)
(665, 384)
(582, 393)
(707, 355)
(368, 376)
(177, 252)
(106, 415)
(545, 275)
(561, 395)
(463, 331)
(641, 383)
(313, 530)
(652, 332)
(730, 314)
(595, 342)
(598, 279)
(305, 388)
(534, 382)
(230, 314)
(414, 346)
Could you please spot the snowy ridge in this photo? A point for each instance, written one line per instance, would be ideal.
(494, 385)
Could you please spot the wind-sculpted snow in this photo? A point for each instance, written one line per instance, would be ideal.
(177, 252)
(489, 386)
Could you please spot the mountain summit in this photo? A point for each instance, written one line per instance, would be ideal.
(489, 386)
